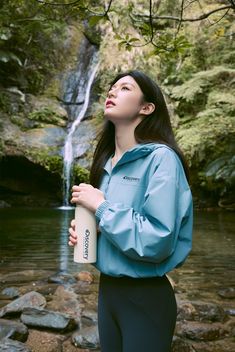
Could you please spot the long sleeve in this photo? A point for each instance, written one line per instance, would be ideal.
(151, 234)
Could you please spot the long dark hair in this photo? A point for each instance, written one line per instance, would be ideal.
(155, 127)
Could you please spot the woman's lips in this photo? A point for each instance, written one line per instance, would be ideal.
(109, 103)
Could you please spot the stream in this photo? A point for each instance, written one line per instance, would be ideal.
(36, 238)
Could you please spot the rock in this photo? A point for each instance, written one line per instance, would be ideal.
(180, 345)
(227, 293)
(89, 317)
(13, 329)
(62, 279)
(84, 276)
(87, 338)
(30, 299)
(16, 92)
(24, 276)
(224, 345)
(10, 292)
(230, 311)
(200, 311)
(4, 204)
(69, 347)
(8, 345)
(47, 290)
(82, 287)
(46, 110)
(46, 319)
(200, 331)
(42, 341)
(65, 300)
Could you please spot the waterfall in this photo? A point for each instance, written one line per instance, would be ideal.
(68, 150)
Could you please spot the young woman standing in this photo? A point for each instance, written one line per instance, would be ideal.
(140, 195)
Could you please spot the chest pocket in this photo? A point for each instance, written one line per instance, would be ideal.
(129, 191)
(130, 181)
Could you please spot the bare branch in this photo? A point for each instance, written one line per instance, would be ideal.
(151, 20)
(58, 3)
(220, 18)
(104, 13)
(181, 17)
(202, 17)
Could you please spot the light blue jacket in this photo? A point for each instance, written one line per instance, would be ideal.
(147, 217)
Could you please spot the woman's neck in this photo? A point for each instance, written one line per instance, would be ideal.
(124, 140)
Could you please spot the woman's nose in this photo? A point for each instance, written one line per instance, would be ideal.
(111, 93)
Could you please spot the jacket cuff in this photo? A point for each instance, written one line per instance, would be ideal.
(101, 209)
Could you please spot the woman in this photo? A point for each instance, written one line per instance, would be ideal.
(140, 195)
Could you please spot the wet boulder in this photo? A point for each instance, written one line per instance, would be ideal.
(45, 319)
(199, 331)
(13, 330)
(87, 337)
(8, 345)
(200, 311)
(30, 299)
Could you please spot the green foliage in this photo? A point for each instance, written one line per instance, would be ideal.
(192, 95)
(80, 174)
(219, 175)
(52, 163)
(46, 115)
(200, 139)
(29, 35)
(4, 102)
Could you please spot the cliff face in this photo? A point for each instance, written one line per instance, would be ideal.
(34, 129)
(37, 109)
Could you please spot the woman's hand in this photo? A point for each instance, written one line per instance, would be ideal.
(88, 196)
(72, 233)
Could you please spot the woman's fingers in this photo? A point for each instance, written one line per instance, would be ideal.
(72, 234)
(73, 224)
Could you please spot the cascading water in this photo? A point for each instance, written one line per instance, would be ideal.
(77, 89)
(68, 148)
(77, 98)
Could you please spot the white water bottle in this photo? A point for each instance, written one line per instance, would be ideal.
(85, 228)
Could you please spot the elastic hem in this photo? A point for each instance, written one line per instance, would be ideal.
(101, 209)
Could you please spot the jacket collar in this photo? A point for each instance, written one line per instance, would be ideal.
(138, 151)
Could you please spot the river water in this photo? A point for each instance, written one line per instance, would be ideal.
(32, 238)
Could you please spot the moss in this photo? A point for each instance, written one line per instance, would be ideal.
(53, 89)
(4, 102)
(52, 163)
(47, 115)
(80, 174)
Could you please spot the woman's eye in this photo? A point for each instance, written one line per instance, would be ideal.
(125, 88)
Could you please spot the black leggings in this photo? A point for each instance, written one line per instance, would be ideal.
(136, 314)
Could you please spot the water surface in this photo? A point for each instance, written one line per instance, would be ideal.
(33, 238)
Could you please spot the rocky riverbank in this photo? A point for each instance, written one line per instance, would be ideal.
(45, 312)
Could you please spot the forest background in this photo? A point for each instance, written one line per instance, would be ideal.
(187, 46)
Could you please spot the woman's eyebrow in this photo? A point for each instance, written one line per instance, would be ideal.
(123, 84)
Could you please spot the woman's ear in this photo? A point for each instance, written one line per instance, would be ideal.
(147, 109)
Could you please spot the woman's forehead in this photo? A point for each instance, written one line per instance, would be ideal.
(125, 80)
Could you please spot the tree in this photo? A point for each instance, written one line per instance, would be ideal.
(150, 19)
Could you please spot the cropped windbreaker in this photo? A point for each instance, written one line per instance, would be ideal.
(146, 219)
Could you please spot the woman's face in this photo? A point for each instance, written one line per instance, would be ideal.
(124, 101)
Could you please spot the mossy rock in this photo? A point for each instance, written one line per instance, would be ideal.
(80, 174)
(47, 115)
(52, 163)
